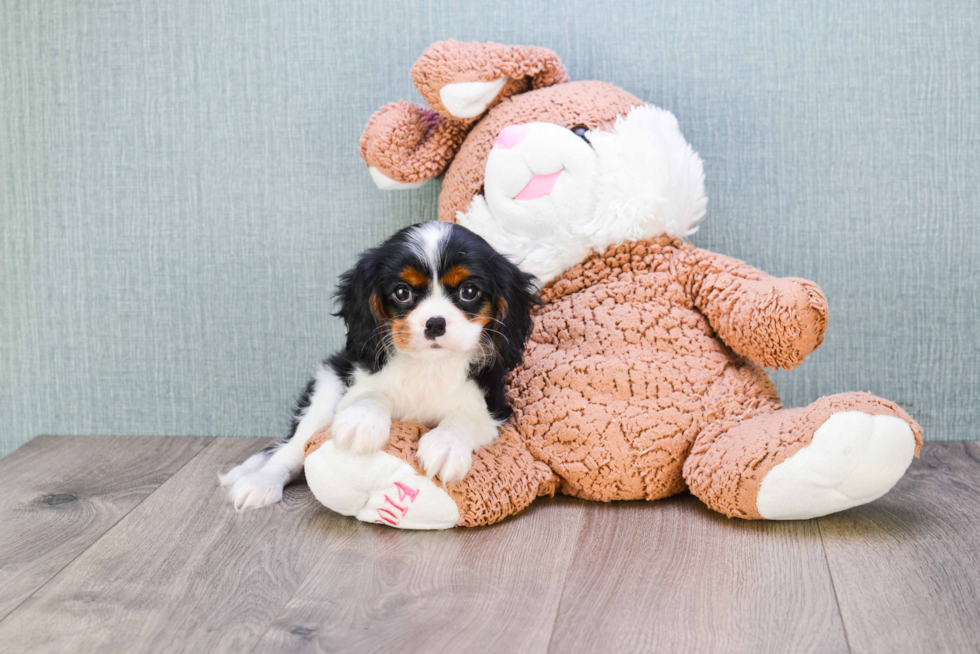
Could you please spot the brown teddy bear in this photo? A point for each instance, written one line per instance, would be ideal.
(644, 373)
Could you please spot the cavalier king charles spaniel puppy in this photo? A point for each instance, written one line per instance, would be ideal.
(435, 318)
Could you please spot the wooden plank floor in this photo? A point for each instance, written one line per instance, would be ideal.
(128, 545)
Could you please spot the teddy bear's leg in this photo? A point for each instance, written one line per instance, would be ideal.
(504, 480)
(793, 464)
(389, 487)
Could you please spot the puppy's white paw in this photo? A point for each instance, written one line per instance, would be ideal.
(251, 464)
(445, 453)
(362, 428)
(255, 490)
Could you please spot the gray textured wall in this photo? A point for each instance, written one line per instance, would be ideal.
(180, 186)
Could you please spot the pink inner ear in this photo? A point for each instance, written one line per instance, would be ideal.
(538, 187)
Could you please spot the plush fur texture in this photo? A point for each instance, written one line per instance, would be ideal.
(643, 376)
(451, 63)
(435, 318)
(411, 144)
(637, 181)
(627, 392)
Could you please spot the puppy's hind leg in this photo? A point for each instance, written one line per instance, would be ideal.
(260, 479)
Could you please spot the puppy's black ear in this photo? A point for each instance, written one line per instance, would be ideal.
(363, 312)
(515, 299)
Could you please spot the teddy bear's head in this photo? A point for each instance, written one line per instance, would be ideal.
(544, 169)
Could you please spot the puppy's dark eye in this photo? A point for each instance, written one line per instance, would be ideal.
(579, 131)
(468, 292)
(402, 294)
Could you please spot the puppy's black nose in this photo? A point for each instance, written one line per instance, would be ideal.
(435, 327)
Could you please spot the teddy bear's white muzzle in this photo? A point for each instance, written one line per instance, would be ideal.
(540, 175)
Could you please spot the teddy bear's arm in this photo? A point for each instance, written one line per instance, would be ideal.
(776, 322)
(410, 144)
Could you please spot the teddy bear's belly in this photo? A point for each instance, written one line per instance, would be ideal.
(614, 411)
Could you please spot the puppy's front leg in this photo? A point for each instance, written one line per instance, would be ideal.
(362, 425)
(447, 450)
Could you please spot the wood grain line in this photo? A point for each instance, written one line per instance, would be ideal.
(907, 566)
(128, 544)
(59, 495)
(182, 572)
(673, 576)
(495, 588)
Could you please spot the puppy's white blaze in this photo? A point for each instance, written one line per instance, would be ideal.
(426, 242)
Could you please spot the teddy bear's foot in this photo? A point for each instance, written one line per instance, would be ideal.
(378, 488)
(854, 458)
(793, 464)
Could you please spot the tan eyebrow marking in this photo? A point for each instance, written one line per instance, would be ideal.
(414, 276)
(455, 276)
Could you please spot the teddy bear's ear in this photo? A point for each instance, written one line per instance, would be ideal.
(462, 80)
(406, 145)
